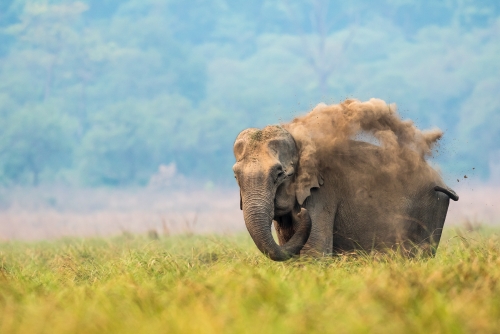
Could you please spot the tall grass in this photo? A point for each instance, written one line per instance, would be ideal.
(214, 284)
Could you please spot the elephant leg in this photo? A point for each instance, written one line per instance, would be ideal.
(437, 223)
(320, 242)
(430, 215)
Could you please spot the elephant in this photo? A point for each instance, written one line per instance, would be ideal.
(350, 203)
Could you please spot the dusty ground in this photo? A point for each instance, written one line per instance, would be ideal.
(43, 213)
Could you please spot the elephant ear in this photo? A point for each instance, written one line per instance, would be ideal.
(307, 175)
(305, 182)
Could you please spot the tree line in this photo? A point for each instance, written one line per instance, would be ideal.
(104, 92)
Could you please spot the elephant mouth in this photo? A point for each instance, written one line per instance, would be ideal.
(281, 209)
(283, 203)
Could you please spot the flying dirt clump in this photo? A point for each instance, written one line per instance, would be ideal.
(402, 147)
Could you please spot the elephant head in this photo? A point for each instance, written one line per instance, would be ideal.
(265, 168)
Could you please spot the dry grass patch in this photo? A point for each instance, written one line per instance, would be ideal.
(213, 284)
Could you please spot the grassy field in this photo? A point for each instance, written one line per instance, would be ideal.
(213, 284)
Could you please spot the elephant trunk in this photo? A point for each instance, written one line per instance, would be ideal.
(258, 211)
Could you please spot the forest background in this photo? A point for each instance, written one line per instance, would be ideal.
(112, 92)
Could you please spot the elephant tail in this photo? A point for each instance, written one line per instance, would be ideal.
(451, 194)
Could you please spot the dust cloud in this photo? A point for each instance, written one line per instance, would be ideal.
(402, 148)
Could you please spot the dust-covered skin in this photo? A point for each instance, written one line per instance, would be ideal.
(319, 185)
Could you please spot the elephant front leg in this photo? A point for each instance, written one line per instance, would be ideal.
(320, 242)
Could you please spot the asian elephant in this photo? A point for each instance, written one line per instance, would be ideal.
(350, 203)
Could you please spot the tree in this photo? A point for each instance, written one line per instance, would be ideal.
(35, 139)
(130, 139)
(48, 31)
(321, 52)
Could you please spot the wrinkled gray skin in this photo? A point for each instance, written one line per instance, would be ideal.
(343, 212)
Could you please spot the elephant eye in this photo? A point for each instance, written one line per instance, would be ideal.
(280, 175)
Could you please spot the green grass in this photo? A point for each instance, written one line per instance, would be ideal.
(213, 284)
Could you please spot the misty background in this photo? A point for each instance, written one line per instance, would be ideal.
(114, 95)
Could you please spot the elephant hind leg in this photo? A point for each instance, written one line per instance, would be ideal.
(438, 222)
(432, 216)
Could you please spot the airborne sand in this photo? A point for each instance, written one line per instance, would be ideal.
(386, 175)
